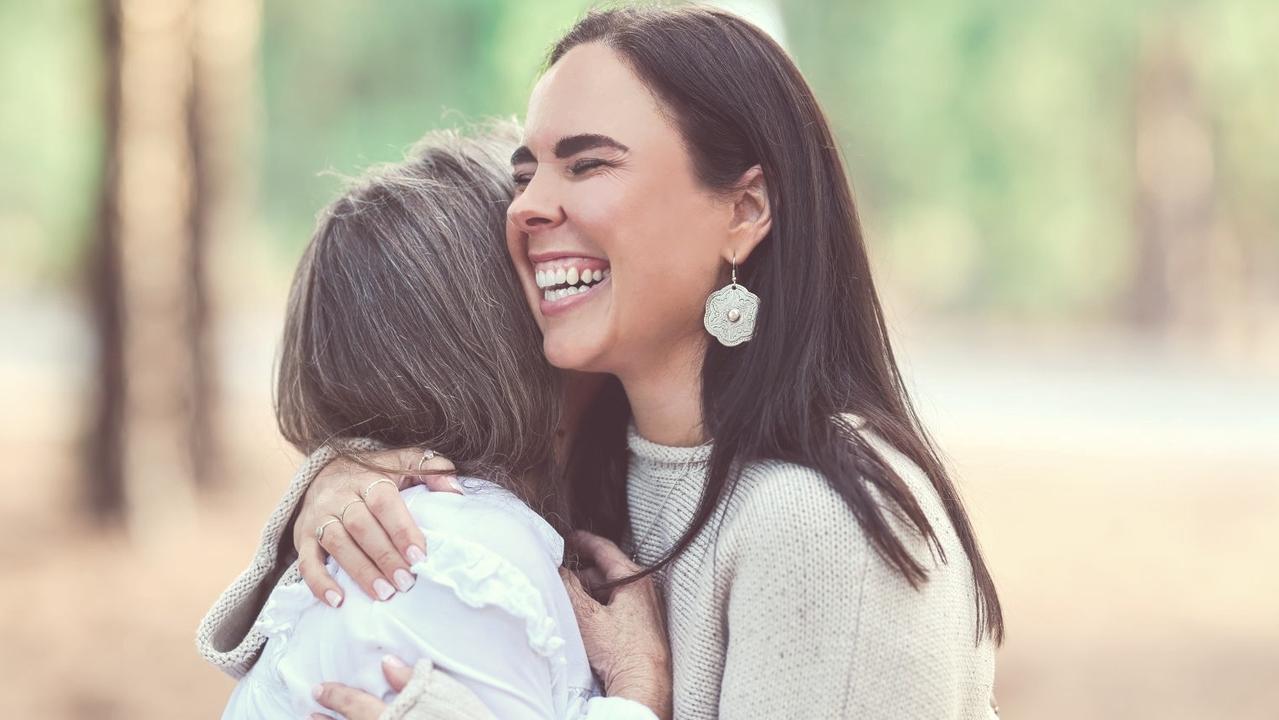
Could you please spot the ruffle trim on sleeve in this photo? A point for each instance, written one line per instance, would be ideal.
(480, 577)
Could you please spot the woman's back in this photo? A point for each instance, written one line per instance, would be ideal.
(488, 608)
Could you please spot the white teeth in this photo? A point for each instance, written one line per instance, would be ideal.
(576, 280)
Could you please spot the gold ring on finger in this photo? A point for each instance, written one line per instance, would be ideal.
(342, 513)
(364, 494)
(319, 532)
(426, 456)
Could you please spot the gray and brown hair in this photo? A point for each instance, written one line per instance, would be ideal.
(406, 323)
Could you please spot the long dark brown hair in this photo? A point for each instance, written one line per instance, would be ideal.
(406, 323)
(821, 350)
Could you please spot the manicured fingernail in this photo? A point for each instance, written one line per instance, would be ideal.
(317, 691)
(333, 598)
(383, 589)
(415, 555)
(453, 483)
(403, 580)
(392, 661)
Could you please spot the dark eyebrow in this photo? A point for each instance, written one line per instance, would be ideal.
(569, 146)
(574, 144)
(522, 155)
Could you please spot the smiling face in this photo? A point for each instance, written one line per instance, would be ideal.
(616, 242)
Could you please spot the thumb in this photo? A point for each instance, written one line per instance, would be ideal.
(584, 606)
(397, 672)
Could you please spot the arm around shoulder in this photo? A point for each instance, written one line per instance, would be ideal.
(225, 637)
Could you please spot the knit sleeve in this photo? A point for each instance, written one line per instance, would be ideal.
(226, 637)
(433, 695)
(818, 624)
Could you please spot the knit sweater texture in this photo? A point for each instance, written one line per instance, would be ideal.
(781, 608)
(788, 612)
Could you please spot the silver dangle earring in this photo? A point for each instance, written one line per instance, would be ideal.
(730, 312)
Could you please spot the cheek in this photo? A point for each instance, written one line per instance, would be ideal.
(517, 249)
(665, 270)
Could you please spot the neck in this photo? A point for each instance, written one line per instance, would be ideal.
(666, 397)
(579, 390)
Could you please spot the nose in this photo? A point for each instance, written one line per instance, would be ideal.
(535, 210)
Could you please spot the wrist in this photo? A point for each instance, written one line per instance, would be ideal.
(648, 683)
(650, 696)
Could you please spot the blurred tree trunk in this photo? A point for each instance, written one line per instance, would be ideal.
(147, 291)
(1188, 268)
(104, 472)
(222, 119)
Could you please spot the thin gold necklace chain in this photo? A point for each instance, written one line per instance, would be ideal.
(657, 516)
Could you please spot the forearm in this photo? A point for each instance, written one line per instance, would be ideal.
(433, 695)
(225, 637)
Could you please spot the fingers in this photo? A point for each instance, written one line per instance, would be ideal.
(437, 474)
(316, 574)
(602, 553)
(367, 531)
(438, 464)
(441, 483)
(339, 543)
(351, 703)
(397, 672)
(388, 509)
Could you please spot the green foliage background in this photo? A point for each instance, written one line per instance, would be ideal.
(990, 142)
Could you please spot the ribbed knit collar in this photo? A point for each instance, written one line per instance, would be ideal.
(666, 456)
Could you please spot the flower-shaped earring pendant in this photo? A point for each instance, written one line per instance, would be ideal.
(730, 313)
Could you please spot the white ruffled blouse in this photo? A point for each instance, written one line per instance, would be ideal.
(488, 608)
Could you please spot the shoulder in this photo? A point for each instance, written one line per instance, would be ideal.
(777, 506)
(485, 549)
(492, 518)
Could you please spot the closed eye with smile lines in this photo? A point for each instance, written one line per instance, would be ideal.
(567, 147)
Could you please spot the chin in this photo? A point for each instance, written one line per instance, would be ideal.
(568, 353)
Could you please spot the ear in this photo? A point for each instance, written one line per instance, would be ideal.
(752, 215)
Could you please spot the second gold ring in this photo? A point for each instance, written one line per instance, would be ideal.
(365, 492)
(342, 513)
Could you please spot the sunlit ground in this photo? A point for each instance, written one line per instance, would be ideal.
(1127, 502)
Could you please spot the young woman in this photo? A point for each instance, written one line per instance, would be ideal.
(753, 445)
(405, 328)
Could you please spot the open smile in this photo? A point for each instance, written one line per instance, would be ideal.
(566, 282)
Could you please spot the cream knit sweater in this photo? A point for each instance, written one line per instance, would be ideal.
(785, 612)
(790, 613)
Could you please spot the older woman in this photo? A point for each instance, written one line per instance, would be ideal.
(405, 328)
